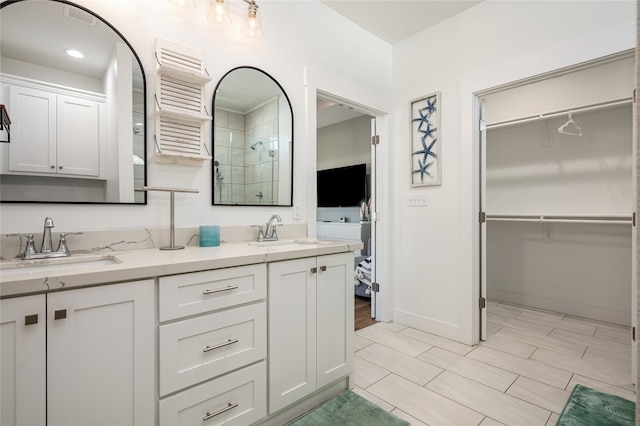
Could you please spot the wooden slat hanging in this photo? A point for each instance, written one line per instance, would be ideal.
(181, 112)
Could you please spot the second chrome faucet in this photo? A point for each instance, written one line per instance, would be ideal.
(269, 233)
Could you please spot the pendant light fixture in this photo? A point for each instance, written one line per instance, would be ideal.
(219, 13)
(252, 27)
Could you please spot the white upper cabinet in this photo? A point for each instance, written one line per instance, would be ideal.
(55, 132)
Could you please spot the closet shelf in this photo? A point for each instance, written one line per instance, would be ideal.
(594, 219)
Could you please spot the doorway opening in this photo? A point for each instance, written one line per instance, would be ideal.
(557, 196)
(346, 165)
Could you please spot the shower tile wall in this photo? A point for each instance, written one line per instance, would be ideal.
(246, 147)
(261, 132)
(229, 152)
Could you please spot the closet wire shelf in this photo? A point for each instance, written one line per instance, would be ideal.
(594, 219)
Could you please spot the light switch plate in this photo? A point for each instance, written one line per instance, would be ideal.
(417, 200)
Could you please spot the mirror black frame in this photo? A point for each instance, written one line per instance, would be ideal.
(144, 106)
(213, 139)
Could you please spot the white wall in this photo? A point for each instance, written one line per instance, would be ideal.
(345, 144)
(435, 269)
(339, 145)
(296, 50)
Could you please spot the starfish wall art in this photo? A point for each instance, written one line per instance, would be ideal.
(425, 141)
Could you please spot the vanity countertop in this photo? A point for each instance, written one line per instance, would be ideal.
(18, 277)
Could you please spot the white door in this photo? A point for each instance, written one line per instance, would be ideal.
(634, 241)
(375, 140)
(483, 223)
(292, 331)
(23, 361)
(100, 355)
(334, 317)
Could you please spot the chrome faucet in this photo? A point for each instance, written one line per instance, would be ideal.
(46, 250)
(47, 243)
(269, 233)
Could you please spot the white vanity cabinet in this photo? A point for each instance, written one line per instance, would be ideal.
(213, 346)
(310, 325)
(356, 231)
(55, 132)
(99, 362)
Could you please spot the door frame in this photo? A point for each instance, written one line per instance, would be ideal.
(380, 241)
(479, 143)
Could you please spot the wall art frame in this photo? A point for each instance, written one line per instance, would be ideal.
(426, 158)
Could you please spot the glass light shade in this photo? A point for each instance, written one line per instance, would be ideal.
(252, 27)
(219, 12)
(187, 4)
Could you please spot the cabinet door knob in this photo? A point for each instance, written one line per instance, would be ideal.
(61, 314)
(314, 270)
(52, 166)
(31, 319)
(323, 268)
(60, 167)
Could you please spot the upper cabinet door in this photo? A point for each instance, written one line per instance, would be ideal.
(80, 137)
(33, 130)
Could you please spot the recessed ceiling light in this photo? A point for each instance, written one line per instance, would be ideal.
(75, 54)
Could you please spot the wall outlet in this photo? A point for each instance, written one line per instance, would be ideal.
(417, 200)
(297, 211)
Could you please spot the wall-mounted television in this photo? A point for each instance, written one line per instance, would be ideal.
(342, 187)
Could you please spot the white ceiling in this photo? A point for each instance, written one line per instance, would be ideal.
(396, 20)
(391, 21)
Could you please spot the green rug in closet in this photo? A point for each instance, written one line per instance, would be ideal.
(588, 407)
(348, 409)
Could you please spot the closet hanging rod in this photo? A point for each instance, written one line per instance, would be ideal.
(605, 219)
(554, 114)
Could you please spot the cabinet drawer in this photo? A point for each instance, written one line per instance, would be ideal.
(199, 292)
(237, 398)
(198, 349)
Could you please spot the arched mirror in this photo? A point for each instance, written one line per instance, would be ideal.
(74, 90)
(252, 140)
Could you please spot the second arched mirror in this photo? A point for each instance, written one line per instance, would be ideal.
(252, 140)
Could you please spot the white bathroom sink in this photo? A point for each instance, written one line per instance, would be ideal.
(11, 267)
(287, 244)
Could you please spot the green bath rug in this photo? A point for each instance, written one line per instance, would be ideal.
(348, 409)
(587, 407)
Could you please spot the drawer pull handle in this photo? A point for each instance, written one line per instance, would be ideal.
(217, 413)
(220, 290)
(323, 268)
(61, 314)
(220, 345)
(314, 270)
(31, 319)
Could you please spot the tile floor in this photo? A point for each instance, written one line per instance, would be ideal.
(521, 375)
